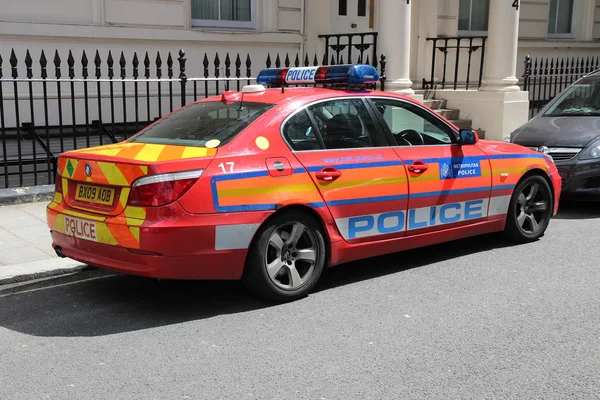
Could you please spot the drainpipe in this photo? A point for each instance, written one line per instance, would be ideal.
(303, 32)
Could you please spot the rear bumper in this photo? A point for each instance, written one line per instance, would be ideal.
(182, 246)
(222, 265)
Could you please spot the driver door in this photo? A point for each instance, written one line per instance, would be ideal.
(449, 184)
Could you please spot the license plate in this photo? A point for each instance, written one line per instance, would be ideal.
(80, 228)
(95, 194)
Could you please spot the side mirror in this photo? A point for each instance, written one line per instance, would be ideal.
(467, 136)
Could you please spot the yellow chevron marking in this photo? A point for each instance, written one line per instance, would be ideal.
(191, 152)
(103, 235)
(57, 198)
(266, 190)
(134, 222)
(144, 169)
(150, 152)
(135, 232)
(65, 187)
(124, 197)
(135, 212)
(113, 174)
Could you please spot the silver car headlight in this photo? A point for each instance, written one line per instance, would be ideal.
(591, 152)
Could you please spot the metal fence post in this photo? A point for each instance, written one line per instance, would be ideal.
(182, 75)
(382, 76)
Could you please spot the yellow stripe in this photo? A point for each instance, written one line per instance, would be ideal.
(517, 171)
(103, 235)
(57, 198)
(135, 212)
(105, 152)
(65, 186)
(124, 197)
(134, 222)
(363, 182)
(266, 190)
(113, 174)
(191, 152)
(144, 169)
(135, 232)
(150, 152)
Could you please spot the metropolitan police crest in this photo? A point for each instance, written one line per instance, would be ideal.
(445, 171)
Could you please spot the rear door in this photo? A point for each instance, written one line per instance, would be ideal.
(360, 177)
(449, 184)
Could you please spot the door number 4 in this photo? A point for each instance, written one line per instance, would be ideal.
(515, 4)
(227, 167)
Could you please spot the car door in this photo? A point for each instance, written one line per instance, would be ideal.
(360, 177)
(449, 184)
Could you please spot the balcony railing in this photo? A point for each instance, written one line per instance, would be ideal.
(456, 62)
(349, 48)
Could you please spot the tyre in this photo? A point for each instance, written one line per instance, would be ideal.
(286, 258)
(530, 210)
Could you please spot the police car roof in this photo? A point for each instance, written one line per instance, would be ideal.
(308, 94)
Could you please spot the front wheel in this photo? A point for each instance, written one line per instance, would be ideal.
(530, 210)
(287, 257)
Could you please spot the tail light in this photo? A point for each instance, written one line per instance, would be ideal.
(58, 184)
(159, 190)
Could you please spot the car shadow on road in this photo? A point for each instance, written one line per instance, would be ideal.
(570, 209)
(97, 303)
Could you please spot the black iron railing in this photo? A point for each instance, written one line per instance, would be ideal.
(546, 77)
(47, 109)
(349, 48)
(456, 62)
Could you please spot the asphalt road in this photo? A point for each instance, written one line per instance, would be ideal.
(476, 318)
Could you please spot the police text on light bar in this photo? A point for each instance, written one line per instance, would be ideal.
(349, 74)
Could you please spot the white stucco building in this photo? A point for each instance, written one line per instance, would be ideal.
(514, 28)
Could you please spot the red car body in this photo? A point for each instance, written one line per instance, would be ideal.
(370, 201)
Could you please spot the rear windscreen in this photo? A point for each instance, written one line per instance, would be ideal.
(200, 123)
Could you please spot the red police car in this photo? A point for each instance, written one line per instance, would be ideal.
(271, 186)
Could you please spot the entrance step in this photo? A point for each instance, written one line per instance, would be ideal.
(435, 104)
(449, 113)
(462, 123)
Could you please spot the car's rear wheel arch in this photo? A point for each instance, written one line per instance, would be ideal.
(310, 212)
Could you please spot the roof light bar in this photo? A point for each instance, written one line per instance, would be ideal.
(350, 74)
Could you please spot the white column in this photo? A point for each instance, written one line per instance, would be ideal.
(394, 41)
(501, 50)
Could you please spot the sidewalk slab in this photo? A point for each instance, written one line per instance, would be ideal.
(26, 251)
(26, 194)
(38, 269)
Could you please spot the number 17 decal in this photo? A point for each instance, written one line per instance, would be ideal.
(229, 164)
(515, 4)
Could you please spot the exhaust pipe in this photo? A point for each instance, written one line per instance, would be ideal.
(59, 252)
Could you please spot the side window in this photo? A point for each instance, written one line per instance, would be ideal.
(300, 134)
(345, 124)
(412, 126)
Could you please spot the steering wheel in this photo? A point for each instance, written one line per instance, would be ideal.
(409, 134)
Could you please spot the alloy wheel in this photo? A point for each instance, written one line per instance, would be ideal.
(532, 209)
(291, 255)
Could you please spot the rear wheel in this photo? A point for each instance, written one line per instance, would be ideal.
(530, 210)
(287, 257)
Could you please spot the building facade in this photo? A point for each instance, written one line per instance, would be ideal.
(405, 29)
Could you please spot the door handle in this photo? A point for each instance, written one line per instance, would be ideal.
(328, 174)
(418, 167)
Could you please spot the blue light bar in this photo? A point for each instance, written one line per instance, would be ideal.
(350, 74)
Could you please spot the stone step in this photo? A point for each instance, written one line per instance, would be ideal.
(462, 123)
(449, 113)
(435, 104)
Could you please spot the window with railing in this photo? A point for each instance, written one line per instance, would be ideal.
(224, 13)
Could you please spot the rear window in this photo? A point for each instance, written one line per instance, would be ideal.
(200, 123)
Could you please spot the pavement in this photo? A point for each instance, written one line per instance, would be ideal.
(475, 318)
(25, 245)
